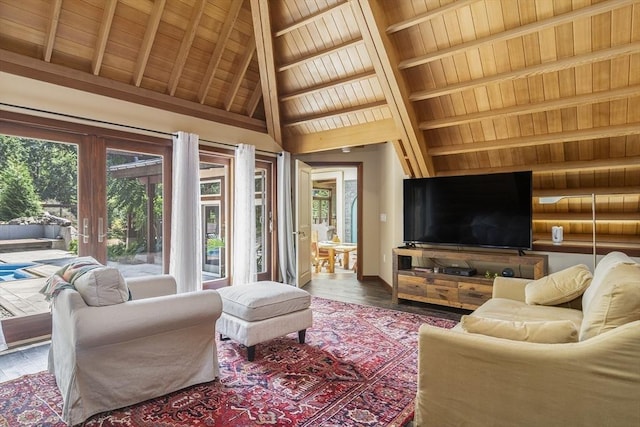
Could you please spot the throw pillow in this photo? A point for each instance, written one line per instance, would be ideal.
(615, 302)
(102, 286)
(560, 287)
(545, 332)
(609, 261)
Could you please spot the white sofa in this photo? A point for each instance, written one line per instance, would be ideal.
(111, 356)
(523, 364)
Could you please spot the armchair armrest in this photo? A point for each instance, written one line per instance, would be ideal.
(509, 288)
(471, 379)
(151, 286)
(100, 326)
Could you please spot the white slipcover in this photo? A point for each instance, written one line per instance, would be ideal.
(113, 356)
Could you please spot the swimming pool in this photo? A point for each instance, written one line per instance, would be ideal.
(10, 272)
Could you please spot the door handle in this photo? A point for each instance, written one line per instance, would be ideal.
(101, 235)
(85, 230)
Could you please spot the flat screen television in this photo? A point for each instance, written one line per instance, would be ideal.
(492, 210)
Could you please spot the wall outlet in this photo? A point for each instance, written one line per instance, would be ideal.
(384, 258)
(383, 217)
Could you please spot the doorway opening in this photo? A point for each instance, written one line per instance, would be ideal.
(335, 220)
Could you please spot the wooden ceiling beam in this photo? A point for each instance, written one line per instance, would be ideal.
(240, 73)
(52, 28)
(427, 16)
(103, 35)
(533, 27)
(348, 136)
(311, 18)
(216, 56)
(328, 85)
(561, 64)
(147, 42)
(371, 19)
(518, 110)
(585, 191)
(534, 140)
(554, 167)
(33, 68)
(336, 113)
(185, 45)
(320, 54)
(266, 63)
(256, 96)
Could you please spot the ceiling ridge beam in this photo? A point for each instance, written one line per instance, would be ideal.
(52, 28)
(240, 73)
(320, 54)
(371, 18)
(427, 16)
(216, 56)
(32, 68)
(185, 45)
(518, 110)
(147, 41)
(530, 28)
(311, 18)
(534, 140)
(334, 113)
(547, 67)
(603, 191)
(103, 35)
(328, 85)
(554, 167)
(266, 63)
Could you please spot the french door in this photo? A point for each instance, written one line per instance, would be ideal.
(118, 204)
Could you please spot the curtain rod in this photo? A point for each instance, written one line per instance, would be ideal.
(104, 122)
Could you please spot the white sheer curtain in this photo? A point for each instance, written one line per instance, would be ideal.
(186, 245)
(286, 249)
(244, 269)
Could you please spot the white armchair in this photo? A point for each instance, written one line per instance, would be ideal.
(117, 355)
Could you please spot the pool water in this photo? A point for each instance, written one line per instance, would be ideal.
(10, 272)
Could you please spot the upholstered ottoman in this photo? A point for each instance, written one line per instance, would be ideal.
(261, 311)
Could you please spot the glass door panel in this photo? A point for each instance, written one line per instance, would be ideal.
(213, 201)
(133, 230)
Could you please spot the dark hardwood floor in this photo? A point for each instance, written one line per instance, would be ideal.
(338, 286)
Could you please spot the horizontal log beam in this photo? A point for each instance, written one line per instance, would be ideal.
(547, 67)
(519, 110)
(555, 167)
(348, 136)
(534, 140)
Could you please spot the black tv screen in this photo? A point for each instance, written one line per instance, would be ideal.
(492, 210)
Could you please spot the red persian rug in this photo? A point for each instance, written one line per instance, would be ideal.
(358, 368)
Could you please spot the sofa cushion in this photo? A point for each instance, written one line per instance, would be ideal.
(608, 262)
(519, 311)
(547, 332)
(615, 301)
(560, 287)
(263, 300)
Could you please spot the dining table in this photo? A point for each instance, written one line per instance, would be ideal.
(334, 248)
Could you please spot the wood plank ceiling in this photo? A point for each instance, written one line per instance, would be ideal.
(458, 87)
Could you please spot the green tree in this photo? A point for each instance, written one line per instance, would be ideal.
(17, 194)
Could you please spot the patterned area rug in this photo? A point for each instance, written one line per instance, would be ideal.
(358, 368)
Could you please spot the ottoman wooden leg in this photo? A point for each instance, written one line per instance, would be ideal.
(302, 335)
(251, 353)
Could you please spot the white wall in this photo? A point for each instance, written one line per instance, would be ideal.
(26, 92)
